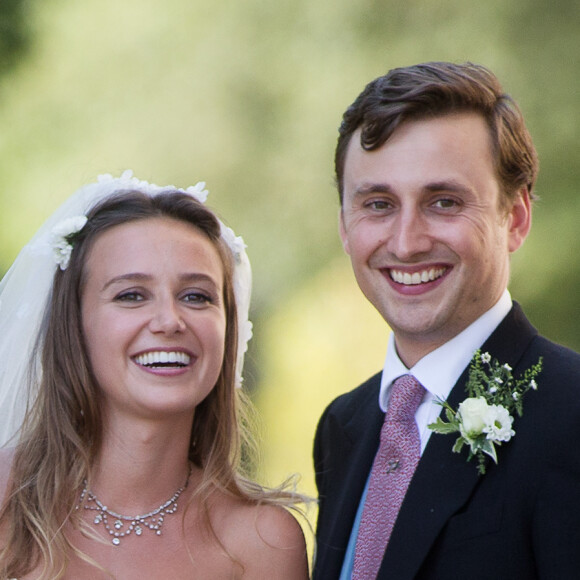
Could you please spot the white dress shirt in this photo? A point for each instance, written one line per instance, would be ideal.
(440, 369)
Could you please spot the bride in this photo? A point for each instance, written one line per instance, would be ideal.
(126, 320)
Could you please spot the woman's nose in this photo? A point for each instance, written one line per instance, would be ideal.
(166, 318)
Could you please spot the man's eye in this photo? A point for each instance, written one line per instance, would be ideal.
(445, 203)
(379, 204)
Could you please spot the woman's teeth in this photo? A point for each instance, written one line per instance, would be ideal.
(161, 357)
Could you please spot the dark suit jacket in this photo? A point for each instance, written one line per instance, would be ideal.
(521, 520)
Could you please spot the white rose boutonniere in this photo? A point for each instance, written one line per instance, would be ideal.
(485, 418)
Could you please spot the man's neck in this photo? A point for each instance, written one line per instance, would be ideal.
(411, 349)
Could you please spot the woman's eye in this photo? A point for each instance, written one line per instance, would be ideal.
(130, 296)
(197, 298)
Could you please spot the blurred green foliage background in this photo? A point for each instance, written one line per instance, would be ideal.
(247, 96)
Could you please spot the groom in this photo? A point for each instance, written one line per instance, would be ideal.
(435, 171)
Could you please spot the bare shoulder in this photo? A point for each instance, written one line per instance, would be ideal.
(278, 527)
(269, 541)
(277, 546)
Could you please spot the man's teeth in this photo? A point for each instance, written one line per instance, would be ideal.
(416, 277)
(163, 357)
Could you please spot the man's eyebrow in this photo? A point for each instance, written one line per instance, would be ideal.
(451, 185)
(448, 185)
(369, 188)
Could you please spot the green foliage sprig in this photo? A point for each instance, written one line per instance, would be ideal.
(485, 418)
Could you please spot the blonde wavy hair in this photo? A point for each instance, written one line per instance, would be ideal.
(62, 432)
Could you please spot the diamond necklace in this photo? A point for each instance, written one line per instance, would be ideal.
(123, 525)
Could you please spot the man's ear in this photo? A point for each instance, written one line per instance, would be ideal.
(342, 231)
(519, 219)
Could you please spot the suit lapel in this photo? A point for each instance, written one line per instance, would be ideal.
(444, 480)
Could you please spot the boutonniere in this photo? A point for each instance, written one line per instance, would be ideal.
(485, 418)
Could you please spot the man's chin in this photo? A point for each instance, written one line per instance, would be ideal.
(422, 325)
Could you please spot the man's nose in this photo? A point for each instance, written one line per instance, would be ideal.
(410, 235)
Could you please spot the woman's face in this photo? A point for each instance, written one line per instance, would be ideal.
(154, 318)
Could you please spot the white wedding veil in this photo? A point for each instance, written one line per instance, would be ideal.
(26, 288)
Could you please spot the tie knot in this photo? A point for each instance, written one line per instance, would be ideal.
(406, 395)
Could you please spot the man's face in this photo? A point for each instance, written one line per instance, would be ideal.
(427, 235)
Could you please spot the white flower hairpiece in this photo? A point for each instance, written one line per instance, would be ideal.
(483, 420)
(128, 181)
(61, 238)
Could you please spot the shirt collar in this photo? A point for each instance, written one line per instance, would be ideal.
(439, 370)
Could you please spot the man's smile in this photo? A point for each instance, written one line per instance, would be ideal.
(415, 278)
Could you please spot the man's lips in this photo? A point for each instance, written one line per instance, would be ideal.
(417, 277)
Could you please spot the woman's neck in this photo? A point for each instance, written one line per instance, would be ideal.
(140, 465)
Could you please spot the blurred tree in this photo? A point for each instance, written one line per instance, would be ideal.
(15, 34)
(543, 43)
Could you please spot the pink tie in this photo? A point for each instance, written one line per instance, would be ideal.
(393, 468)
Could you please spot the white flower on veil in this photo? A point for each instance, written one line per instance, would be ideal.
(60, 238)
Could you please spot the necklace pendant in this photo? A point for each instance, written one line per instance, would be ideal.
(152, 520)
